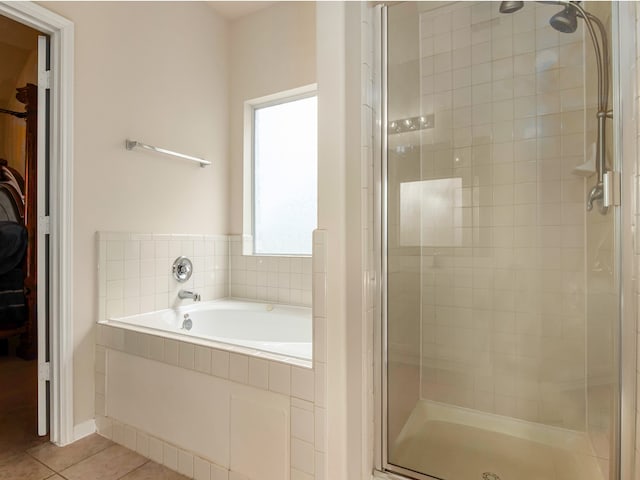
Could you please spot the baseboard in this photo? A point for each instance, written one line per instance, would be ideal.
(84, 429)
(378, 475)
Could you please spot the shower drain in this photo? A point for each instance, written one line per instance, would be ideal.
(490, 476)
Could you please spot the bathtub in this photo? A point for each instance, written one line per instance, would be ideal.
(237, 325)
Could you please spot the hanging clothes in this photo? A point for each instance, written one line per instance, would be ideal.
(13, 245)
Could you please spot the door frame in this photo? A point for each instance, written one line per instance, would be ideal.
(625, 94)
(61, 32)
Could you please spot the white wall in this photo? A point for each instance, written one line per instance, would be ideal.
(155, 72)
(270, 51)
(332, 208)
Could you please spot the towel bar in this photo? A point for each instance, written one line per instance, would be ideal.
(131, 144)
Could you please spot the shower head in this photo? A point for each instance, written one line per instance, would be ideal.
(510, 7)
(565, 21)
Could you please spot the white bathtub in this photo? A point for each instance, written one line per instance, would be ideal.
(278, 329)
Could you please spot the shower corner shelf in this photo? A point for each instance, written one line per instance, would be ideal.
(586, 169)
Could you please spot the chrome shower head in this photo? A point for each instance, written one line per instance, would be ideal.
(565, 21)
(510, 7)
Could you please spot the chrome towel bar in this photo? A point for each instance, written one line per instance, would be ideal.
(131, 144)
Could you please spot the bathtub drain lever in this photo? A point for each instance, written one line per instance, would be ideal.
(187, 323)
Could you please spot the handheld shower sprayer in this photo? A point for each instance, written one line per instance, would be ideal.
(566, 21)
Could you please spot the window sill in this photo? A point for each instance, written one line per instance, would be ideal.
(247, 250)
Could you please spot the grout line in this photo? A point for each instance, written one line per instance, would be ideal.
(46, 466)
(58, 474)
(73, 464)
(137, 468)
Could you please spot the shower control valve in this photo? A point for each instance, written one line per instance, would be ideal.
(182, 269)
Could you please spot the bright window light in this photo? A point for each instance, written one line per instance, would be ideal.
(285, 156)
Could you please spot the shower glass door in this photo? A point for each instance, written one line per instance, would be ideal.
(501, 298)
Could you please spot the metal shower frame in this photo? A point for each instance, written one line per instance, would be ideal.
(624, 153)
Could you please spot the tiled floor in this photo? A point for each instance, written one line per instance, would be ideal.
(24, 456)
(17, 406)
(92, 458)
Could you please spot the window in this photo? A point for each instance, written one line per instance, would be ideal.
(284, 174)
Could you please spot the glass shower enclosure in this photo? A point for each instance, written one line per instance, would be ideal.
(501, 292)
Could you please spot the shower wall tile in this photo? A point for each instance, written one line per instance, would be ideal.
(502, 304)
(134, 270)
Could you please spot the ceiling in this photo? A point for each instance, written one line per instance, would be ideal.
(237, 9)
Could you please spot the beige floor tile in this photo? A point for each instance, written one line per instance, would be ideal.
(110, 464)
(23, 378)
(23, 467)
(18, 407)
(153, 471)
(59, 458)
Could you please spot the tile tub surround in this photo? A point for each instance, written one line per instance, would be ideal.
(274, 279)
(303, 389)
(295, 384)
(134, 270)
(283, 332)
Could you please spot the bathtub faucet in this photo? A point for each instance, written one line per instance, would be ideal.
(183, 294)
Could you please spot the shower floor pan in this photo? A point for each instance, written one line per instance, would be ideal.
(455, 443)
